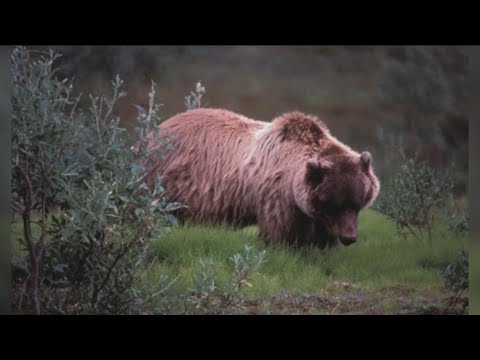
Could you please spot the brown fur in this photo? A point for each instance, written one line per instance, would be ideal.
(290, 176)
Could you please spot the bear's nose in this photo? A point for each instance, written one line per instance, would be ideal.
(347, 240)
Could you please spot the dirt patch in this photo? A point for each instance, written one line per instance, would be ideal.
(344, 299)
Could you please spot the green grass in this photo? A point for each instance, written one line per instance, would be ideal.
(381, 260)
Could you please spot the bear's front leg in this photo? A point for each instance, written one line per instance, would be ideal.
(277, 226)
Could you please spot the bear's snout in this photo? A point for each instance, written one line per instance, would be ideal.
(347, 227)
(347, 240)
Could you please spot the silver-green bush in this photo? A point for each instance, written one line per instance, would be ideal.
(77, 184)
(413, 197)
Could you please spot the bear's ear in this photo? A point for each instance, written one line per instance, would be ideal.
(316, 170)
(365, 160)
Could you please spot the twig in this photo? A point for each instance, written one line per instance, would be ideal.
(166, 287)
(117, 259)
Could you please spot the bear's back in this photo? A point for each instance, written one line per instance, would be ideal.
(204, 170)
(223, 122)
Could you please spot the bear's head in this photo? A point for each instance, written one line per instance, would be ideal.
(332, 190)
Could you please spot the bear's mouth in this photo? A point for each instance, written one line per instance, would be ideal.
(347, 241)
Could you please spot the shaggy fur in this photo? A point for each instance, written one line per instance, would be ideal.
(290, 176)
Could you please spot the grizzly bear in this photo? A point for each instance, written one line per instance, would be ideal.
(290, 176)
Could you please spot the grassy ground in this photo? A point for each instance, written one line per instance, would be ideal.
(383, 273)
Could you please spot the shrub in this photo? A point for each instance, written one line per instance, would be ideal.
(457, 280)
(210, 297)
(78, 186)
(412, 196)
